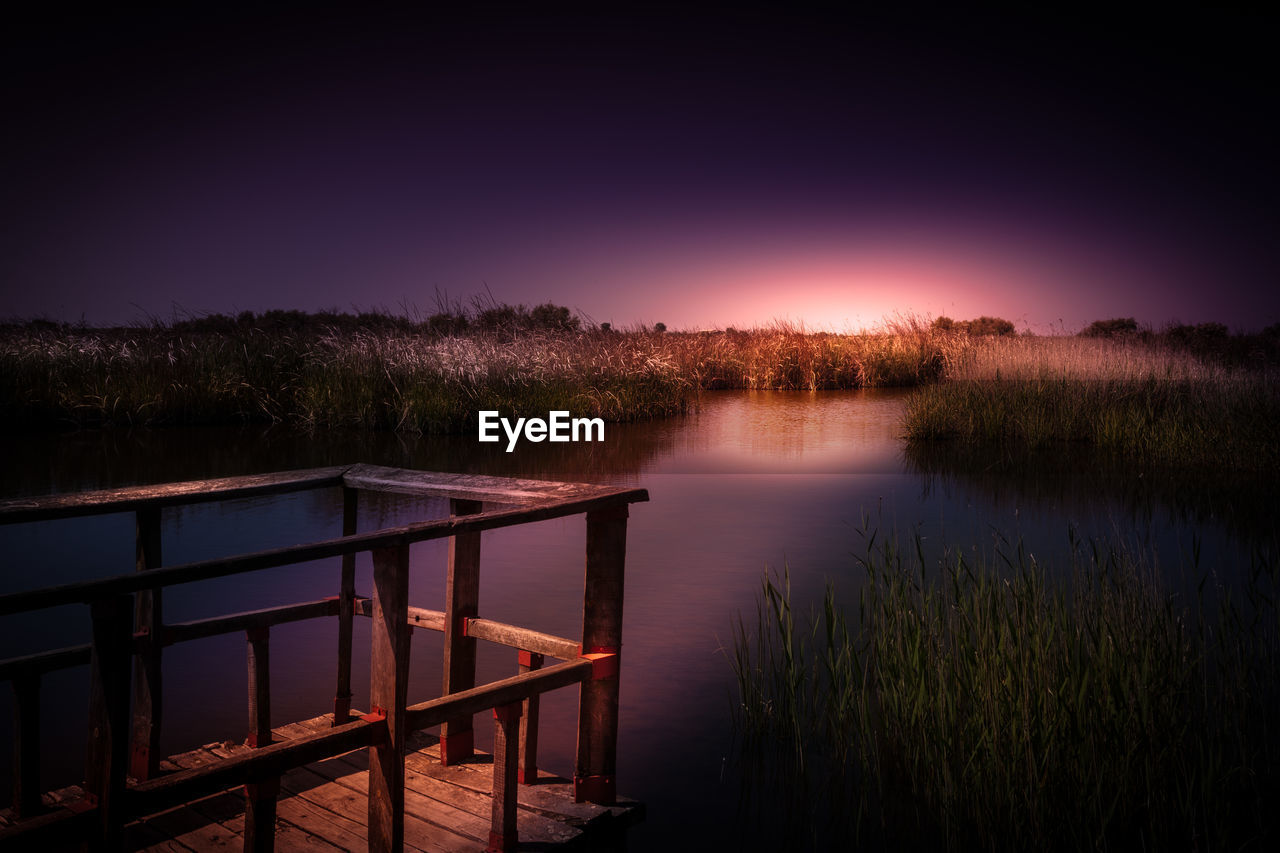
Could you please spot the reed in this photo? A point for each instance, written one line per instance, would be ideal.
(369, 379)
(1149, 403)
(383, 375)
(977, 705)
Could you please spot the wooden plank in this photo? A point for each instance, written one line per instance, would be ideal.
(506, 736)
(148, 690)
(527, 766)
(388, 690)
(250, 765)
(551, 797)
(198, 629)
(523, 638)
(42, 662)
(26, 746)
(595, 769)
(462, 602)
(340, 785)
(259, 669)
(131, 498)
(107, 758)
(419, 617)
(260, 815)
(470, 487)
(433, 712)
(332, 828)
(390, 537)
(428, 778)
(346, 610)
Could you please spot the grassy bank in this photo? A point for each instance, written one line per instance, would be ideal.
(977, 706)
(1148, 402)
(421, 379)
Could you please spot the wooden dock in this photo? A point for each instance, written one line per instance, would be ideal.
(322, 806)
(345, 780)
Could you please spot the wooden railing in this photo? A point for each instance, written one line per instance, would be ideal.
(129, 635)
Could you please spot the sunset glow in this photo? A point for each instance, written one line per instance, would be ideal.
(697, 169)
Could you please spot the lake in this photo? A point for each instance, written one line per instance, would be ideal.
(753, 480)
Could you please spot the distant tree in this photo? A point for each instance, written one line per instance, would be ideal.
(1115, 327)
(943, 324)
(606, 327)
(989, 326)
(659, 327)
(446, 323)
(553, 318)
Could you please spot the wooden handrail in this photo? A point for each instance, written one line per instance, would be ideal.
(389, 537)
(433, 712)
(132, 498)
(130, 630)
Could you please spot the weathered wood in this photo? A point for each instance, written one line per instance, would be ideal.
(418, 617)
(388, 686)
(26, 745)
(595, 770)
(42, 662)
(471, 487)
(528, 765)
(260, 815)
(106, 763)
(502, 832)
(346, 609)
(58, 825)
(252, 765)
(433, 712)
(259, 669)
(199, 629)
(132, 498)
(148, 690)
(523, 638)
(462, 601)
(390, 537)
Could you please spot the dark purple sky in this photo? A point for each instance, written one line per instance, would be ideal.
(705, 168)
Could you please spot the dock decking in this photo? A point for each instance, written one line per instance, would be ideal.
(323, 806)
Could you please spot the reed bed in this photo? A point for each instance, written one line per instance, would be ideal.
(415, 382)
(1151, 404)
(976, 705)
(387, 377)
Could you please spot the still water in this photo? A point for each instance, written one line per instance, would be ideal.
(754, 480)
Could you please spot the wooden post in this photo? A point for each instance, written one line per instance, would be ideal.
(346, 611)
(259, 686)
(144, 761)
(502, 830)
(26, 745)
(462, 599)
(594, 777)
(260, 815)
(388, 686)
(528, 773)
(107, 756)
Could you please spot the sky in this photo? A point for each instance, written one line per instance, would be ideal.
(694, 165)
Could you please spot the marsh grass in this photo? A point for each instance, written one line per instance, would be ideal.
(1149, 403)
(387, 377)
(976, 705)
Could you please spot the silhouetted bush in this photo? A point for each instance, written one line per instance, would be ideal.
(1112, 328)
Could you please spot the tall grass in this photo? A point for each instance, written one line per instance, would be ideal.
(976, 705)
(384, 377)
(415, 382)
(1152, 404)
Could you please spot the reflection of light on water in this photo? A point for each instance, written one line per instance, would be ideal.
(792, 432)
